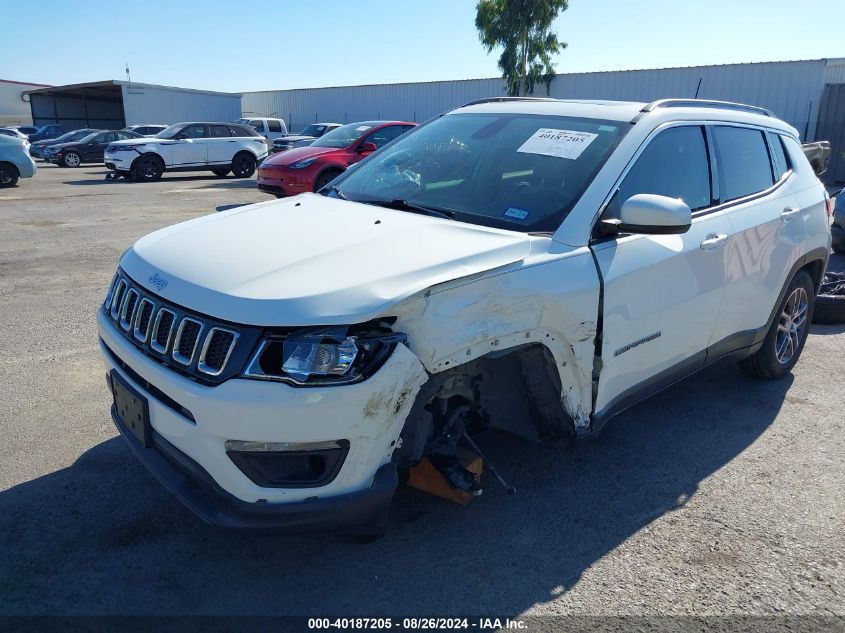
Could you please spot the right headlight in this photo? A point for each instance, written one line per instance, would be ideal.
(323, 356)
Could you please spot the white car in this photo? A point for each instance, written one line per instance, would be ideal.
(218, 147)
(531, 265)
(268, 128)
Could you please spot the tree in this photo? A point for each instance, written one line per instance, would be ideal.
(523, 29)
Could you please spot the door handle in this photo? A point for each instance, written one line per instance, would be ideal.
(712, 241)
(789, 213)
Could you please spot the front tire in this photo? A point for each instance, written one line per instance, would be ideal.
(325, 178)
(148, 168)
(243, 165)
(8, 175)
(787, 335)
(71, 159)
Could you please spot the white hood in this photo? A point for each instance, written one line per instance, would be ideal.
(312, 260)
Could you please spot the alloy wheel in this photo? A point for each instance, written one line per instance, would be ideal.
(793, 322)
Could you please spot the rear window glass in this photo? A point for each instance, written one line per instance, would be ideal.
(274, 126)
(219, 131)
(745, 167)
(674, 164)
(781, 162)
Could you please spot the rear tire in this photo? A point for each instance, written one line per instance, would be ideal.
(148, 168)
(787, 335)
(8, 175)
(220, 172)
(243, 165)
(71, 159)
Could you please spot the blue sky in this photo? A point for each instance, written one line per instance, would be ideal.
(263, 44)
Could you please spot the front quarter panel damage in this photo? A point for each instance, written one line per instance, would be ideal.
(551, 302)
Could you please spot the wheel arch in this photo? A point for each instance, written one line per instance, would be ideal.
(6, 163)
(331, 167)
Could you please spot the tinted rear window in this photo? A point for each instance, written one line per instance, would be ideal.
(782, 163)
(274, 126)
(745, 167)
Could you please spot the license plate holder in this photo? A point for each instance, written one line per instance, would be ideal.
(132, 408)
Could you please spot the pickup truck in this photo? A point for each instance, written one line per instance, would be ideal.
(530, 265)
(818, 154)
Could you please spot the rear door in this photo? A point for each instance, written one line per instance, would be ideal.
(221, 145)
(662, 293)
(766, 229)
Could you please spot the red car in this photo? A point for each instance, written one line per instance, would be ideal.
(311, 168)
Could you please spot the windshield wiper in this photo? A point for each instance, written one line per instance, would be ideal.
(334, 189)
(404, 205)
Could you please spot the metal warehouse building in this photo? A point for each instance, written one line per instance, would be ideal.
(793, 90)
(115, 104)
(14, 106)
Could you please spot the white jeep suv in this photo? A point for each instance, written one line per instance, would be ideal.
(218, 147)
(531, 265)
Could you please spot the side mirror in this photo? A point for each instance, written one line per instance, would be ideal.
(367, 148)
(182, 137)
(650, 214)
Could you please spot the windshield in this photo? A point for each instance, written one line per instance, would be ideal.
(343, 136)
(515, 171)
(75, 136)
(313, 130)
(171, 131)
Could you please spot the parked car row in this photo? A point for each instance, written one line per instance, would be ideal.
(311, 168)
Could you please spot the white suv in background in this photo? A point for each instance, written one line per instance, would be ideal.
(268, 128)
(218, 147)
(529, 265)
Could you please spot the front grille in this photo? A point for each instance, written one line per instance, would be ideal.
(201, 347)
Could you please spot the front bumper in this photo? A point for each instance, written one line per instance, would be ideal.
(365, 511)
(196, 420)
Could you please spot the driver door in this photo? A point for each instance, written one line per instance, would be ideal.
(191, 148)
(662, 293)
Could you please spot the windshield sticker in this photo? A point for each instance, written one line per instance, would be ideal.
(561, 143)
(516, 213)
(362, 128)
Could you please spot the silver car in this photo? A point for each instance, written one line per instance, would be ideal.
(15, 161)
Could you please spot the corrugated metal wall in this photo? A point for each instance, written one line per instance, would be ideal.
(143, 103)
(791, 89)
(832, 128)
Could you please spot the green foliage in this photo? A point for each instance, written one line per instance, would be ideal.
(522, 28)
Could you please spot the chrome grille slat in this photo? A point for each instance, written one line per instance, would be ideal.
(143, 319)
(127, 310)
(117, 298)
(163, 317)
(216, 335)
(189, 335)
(189, 343)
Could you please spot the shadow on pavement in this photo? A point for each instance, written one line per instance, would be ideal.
(101, 536)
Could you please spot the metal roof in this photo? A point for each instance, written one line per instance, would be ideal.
(129, 84)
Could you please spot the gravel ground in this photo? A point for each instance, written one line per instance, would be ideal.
(722, 496)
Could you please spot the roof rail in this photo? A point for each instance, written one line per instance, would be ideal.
(498, 99)
(705, 103)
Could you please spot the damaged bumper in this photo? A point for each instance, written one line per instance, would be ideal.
(193, 428)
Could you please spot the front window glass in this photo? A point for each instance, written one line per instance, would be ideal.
(344, 136)
(673, 164)
(194, 131)
(274, 126)
(517, 171)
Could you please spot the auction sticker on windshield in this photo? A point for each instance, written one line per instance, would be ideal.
(561, 143)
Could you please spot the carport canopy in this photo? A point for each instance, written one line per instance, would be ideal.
(96, 105)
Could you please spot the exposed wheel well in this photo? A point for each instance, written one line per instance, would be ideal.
(816, 270)
(515, 390)
(147, 155)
